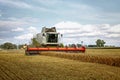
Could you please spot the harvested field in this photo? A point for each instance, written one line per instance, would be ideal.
(14, 65)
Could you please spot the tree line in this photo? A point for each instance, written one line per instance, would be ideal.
(9, 45)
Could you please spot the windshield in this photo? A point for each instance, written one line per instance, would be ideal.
(52, 38)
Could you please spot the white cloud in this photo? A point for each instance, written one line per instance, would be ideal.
(18, 29)
(67, 25)
(27, 36)
(115, 29)
(11, 23)
(76, 32)
(16, 24)
(32, 29)
(74, 28)
(24, 36)
(15, 3)
(113, 36)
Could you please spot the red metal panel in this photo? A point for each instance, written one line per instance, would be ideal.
(57, 49)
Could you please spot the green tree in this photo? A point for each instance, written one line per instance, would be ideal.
(8, 45)
(100, 43)
(21, 46)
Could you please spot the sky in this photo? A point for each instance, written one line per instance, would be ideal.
(77, 20)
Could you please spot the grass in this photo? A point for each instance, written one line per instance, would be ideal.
(14, 65)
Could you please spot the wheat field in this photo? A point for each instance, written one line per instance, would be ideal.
(15, 65)
(102, 56)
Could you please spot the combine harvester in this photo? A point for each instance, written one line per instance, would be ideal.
(49, 40)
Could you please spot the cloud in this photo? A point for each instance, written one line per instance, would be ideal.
(113, 35)
(22, 19)
(77, 29)
(76, 32)
(24, 36)
(9, 28)
(11, 23)
(19, 4)
(114, 29)
(18, 29)
(15, 28)
(32, 29)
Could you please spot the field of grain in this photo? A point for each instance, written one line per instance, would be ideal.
(104, 52)
(102, 56)
(14, 65)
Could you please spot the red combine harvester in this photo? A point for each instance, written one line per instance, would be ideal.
(49, 40)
